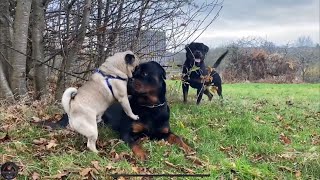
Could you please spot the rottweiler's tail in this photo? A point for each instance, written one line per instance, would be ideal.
(217, 63)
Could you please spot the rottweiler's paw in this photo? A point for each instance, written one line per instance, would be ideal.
(189, 151)
(142, 156)
(139, 152)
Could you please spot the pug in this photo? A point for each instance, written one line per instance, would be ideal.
(108, 84)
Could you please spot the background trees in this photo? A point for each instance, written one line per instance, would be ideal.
(55, 43)
(62, 41)
(255, 59)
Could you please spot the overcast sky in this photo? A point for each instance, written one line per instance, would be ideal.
(279, 21)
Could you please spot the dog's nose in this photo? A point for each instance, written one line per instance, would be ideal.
(197, 54)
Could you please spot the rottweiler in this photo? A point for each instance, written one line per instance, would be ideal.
(197, 75)
(148, 100)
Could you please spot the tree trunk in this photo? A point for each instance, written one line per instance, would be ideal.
(73, 51)
(20, 39)
(37, 48)
(99, 34)
(102, 53)
(115, 31)
(5, 90)
(134, 43)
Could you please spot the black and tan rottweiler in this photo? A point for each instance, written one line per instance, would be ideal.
(148, 100)
(197, 75)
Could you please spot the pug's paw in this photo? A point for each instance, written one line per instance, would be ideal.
(134, 117)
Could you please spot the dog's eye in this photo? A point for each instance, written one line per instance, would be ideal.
(145, 74)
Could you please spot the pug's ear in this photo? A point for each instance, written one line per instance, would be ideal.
(129, 59)
(205, 48)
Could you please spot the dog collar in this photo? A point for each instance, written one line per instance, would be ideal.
(107, 77)
(154, 106)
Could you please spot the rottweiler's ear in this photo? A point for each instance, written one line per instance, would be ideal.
(163, 73)
(205, 48)
(136, 71)
(186, 47)
(129, 59)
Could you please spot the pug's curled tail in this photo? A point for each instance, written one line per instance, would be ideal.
(67, 96)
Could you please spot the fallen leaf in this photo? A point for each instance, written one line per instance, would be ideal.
(195, 160)
(91, 173)
(46, 117)
(279, 117)
(84, 172)
(57, 176)
(315, 140)
(5, 138)
(114, 156)
(297, 174)
(40, 141)
(109, 167)
(35, 176)
(135, 169)
(52, 143)
(284, 168)
(170, 164)
(288, 156)
(187, 170)
(35, 119)
(96, 165)
(284, 139)
(225, 149)
(57, 116)
(257, 157)
(258, 119)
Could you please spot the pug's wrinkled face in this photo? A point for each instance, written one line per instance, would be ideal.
(196, 53)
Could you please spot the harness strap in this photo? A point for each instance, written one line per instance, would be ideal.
(107, 77)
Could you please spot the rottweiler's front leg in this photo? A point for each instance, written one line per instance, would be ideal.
(185, 89)
(174, 139)
(138, 151)
(135, 146)
(199, 95)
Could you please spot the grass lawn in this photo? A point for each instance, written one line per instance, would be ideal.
(262, 131)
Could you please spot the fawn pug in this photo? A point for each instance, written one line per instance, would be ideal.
(108, 84)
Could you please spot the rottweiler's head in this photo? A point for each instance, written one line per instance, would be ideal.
(196, 53)
(148, 85)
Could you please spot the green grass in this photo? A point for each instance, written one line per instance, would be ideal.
(238, 139)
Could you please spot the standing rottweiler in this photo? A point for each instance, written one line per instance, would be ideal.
(197, 75)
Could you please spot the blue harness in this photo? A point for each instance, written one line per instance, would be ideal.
(107, 77)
